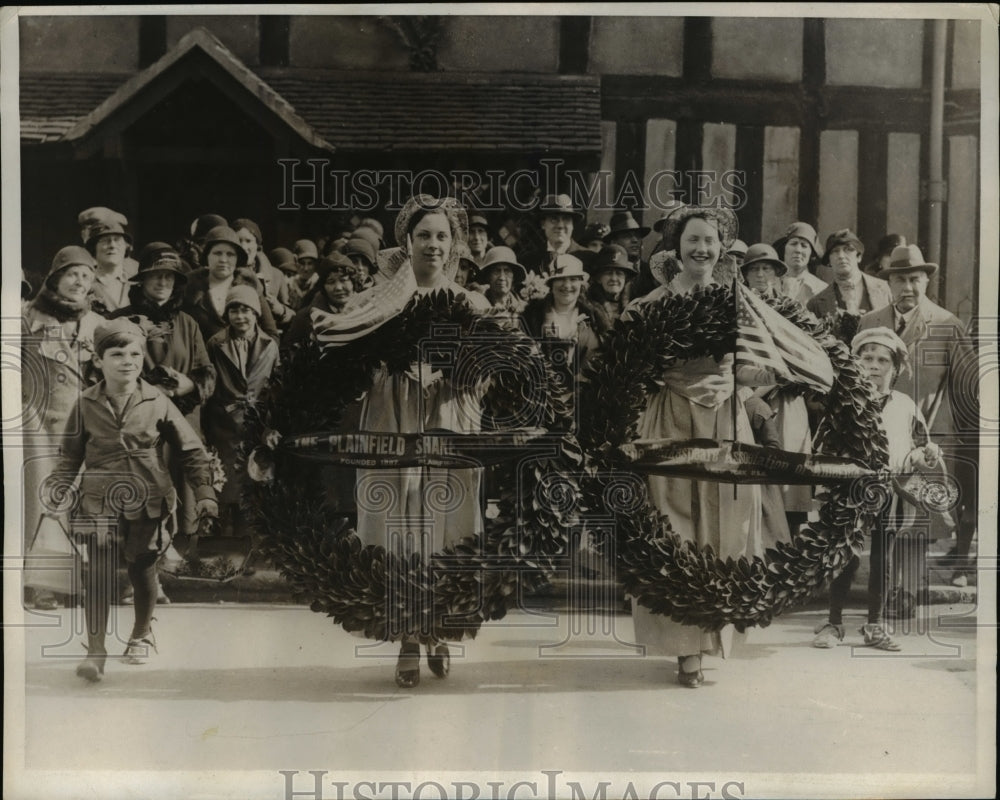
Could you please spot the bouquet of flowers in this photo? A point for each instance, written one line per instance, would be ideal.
(534, 286)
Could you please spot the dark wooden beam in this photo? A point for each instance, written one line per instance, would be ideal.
(761, 103)
(813, 118)
(630, 154)
(687, 154)
(750, 161)
(873, 187)
(698, 49)
(574, 45)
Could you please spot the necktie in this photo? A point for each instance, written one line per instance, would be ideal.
(242, 352)
(901, 326)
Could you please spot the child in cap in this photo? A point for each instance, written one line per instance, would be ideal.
(884, 356)
(127, 501)
(244, 357)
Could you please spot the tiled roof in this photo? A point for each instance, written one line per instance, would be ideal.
(53, 102)
(440, 111)
(383, 111)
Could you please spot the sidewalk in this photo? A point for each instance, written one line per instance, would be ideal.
(269, 687)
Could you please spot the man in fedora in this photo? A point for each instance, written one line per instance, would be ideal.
(943, 376)
(799, 249)
(556, 218)
(628, 234)
(851, 291)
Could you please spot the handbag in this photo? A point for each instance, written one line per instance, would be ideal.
(932, 490)
(52, 561)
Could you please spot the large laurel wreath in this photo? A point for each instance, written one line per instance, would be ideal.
(466, 583)
(677, 578)
(472, 581)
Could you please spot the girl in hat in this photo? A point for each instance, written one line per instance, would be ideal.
(244, 356)
(564, 317)
(884, 356)
(696, 402)
(127, 500)
(610, 292)
(273, 283)
(176, 359)
(225, 266)
(337, 280)
(57, 338)
(427, 230)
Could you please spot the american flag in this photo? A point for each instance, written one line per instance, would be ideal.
(365, 311)
(764, 338)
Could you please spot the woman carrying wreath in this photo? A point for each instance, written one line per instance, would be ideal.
(440, 506)
(696, 403)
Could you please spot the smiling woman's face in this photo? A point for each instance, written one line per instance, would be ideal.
(699, 247)
(431, 242)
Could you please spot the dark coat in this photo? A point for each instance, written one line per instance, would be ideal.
(875, 294)
(602, 309)
(173, 340)
(198, 304)
(586, 342)
(223, 415)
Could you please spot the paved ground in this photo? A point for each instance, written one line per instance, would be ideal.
(267, 688)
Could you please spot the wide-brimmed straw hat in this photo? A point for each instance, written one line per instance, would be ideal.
(458, 220)
(907, 258)
(763, 253)
(624, 222)
(724, 218)
(496, 256)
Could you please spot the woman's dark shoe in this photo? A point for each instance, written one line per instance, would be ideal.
(408, 666)
(691, 679)
(439, 660)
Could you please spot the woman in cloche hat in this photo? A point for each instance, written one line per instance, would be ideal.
(610, 290)
(225, 266)
(57, 336)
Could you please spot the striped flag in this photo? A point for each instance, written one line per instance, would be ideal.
(764, 338)
(365, 311)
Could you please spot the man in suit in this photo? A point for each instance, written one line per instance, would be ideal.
(556, 218)
(851, 290)
(943, 379)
